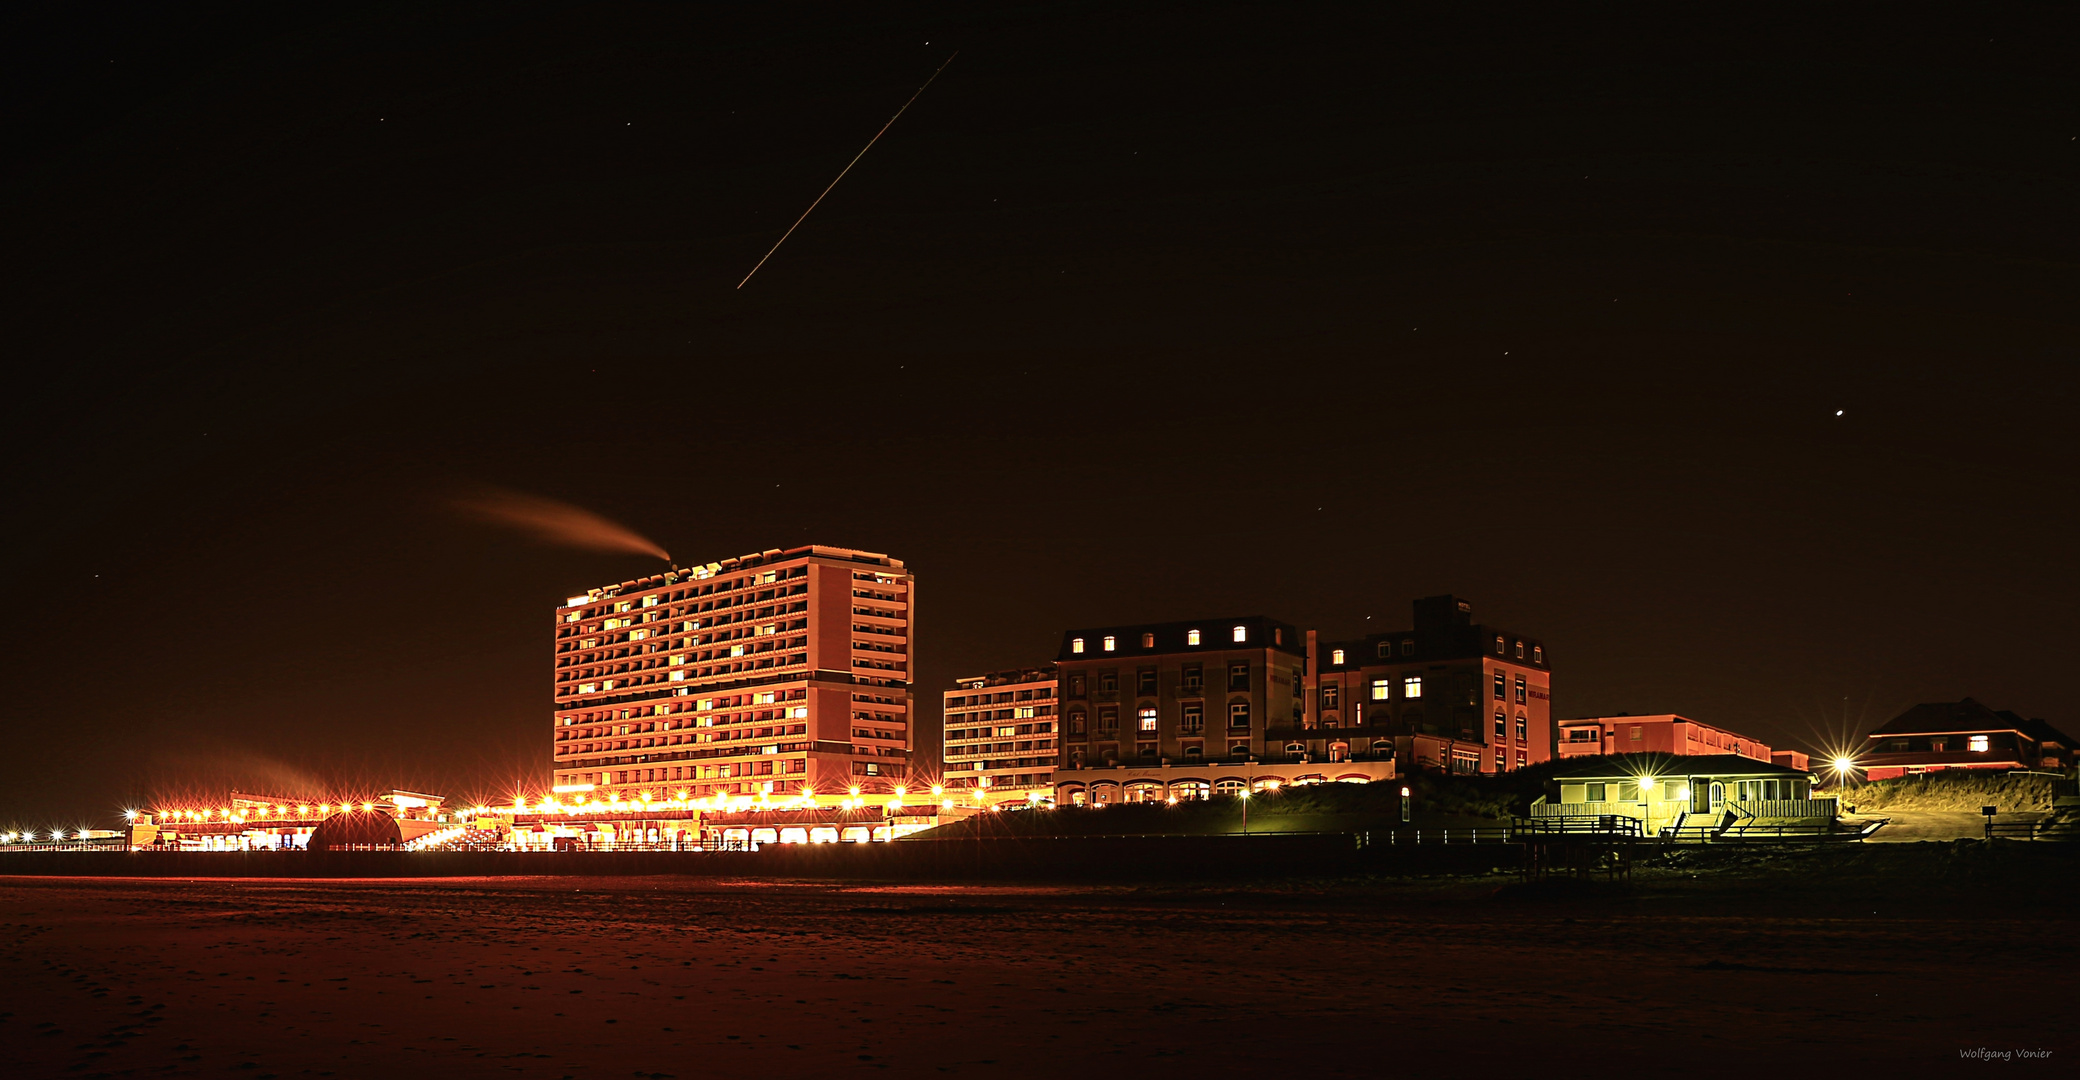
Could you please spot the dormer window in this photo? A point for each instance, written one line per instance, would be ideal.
(1336, 656)
(1191, 637)
(1538, 654)
(1076, 645)
(1241, 633)
(1148, 641)
(1110, 642)
(1498, 644)
(1520, 650)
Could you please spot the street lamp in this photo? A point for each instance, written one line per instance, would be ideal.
(1245, 810)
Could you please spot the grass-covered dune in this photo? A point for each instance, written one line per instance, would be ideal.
(1436, 802)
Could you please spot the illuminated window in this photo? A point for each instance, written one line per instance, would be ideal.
(1336, 656)
(798, 712)
(1379, 689)
(1110, 642)
(1241, 633)
(1978, 744)
(1148, 719)
(1191, 637)
(1075, 645)
(1148, 641)
(1412, 687)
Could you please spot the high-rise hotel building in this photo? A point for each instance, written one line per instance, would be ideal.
(774, 672)
(1001, 740)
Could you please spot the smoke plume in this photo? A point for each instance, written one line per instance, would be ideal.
(557, 523)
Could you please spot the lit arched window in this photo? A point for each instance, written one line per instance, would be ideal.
(1075, 645)
(1241, 633)
(1336, 656)
(1110, 642)
(1191, 637)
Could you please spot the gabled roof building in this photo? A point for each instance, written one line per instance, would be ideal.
(1962, 735)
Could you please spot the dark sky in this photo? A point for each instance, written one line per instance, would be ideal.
(1729, 348)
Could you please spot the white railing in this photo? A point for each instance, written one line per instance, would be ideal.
(1587, 809)
(1788, 808)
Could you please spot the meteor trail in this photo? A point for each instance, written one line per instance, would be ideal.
(848, 167)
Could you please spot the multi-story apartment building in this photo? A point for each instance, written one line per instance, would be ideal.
(1181, 710)
(1664, 733)
(777, 672)
(1000, 742)
(1448, 695)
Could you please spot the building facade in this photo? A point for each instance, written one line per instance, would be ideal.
(1184, 710)
(1664, 733)
(1001, 744)
(1962, 735)
(774, 673)
(1447, 695)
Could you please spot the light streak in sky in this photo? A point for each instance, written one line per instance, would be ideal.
(848, 167)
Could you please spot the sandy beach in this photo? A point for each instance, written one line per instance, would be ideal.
(658, 977)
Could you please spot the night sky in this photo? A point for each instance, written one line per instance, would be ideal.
(1728, 348)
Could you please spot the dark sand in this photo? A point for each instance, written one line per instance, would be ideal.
(541, 977)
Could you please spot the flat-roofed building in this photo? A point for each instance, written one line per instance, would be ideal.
(1448, 695)
(1661, 733)
(770, 673)
(1001, 743)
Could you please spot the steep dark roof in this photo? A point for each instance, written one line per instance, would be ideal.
(2044, 732)
(1628, 766)
(1948, 716)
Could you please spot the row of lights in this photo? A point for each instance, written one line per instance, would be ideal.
(684, 800)
(227, 813)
